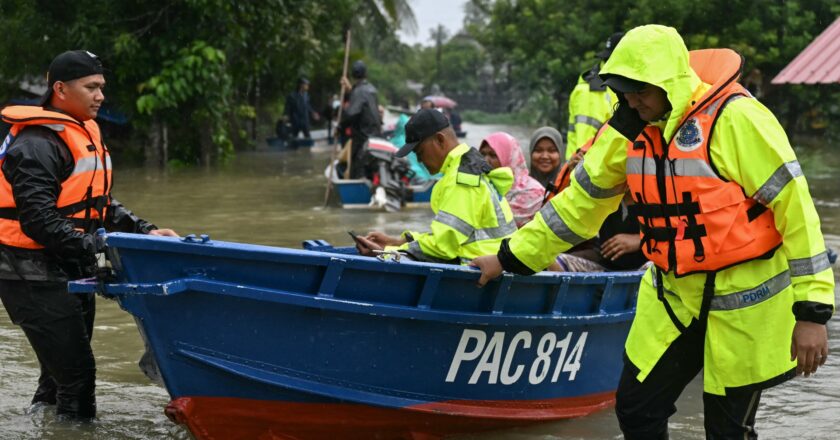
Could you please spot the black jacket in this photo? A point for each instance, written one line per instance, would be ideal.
(35, 165)
(362, 114)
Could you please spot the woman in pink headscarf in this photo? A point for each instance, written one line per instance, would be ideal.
(525, 197)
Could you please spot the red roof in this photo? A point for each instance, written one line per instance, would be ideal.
(819, 63)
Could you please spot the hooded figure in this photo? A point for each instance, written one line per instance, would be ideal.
(741, 286)
(526, 194)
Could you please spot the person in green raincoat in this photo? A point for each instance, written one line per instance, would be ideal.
(741, 287)
(471, 213)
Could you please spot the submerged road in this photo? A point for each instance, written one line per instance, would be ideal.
(275, 198)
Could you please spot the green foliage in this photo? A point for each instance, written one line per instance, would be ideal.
(545, 44)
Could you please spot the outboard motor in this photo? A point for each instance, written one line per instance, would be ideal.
(391, 172)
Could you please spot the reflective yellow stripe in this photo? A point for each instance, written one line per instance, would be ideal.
(746, 298)
(588, 120)
(774, 185)
(809, 266)
(558, 226)
(595, 191)
(504, 229)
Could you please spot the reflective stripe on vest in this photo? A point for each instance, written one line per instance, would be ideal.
(88, 164)
(693, 220)
(746, 298)
(84, 195)
(588, 120)
(809, 266)
(682, 167)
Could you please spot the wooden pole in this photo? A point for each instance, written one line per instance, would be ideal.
(334, 155)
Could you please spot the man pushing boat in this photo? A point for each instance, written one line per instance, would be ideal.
(741, 285)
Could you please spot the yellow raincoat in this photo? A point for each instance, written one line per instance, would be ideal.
(747, 346)
(588, 110)
(472, 215)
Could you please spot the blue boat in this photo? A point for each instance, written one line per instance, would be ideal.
(357, 193)
(321, 343)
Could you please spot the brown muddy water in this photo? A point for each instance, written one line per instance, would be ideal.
(276, 198)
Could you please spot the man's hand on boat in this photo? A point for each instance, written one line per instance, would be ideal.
(376, 241)
(164, 232)
(490, 267)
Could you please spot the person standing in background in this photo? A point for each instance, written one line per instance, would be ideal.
(591, 102)
(361, 115)
(299, 109)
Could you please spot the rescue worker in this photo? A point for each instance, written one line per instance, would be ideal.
(591, 102)
(55, 194)
(471, 213)
(741, 285)
(361, 115)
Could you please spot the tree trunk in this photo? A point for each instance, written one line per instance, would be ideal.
(152, 148)
(208, 148)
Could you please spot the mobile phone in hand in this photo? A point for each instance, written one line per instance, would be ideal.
(356, 239)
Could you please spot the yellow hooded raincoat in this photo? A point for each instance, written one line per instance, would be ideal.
(747, 345)
(472, 215)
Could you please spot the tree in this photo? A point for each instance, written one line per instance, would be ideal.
(548, 43)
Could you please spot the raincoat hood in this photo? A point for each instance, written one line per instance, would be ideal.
(657, 55)
(502, 179)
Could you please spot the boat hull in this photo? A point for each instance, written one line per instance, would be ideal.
(252, 340)
(356, 193)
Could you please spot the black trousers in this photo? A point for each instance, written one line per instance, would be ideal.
(643, 408)
(58, 326)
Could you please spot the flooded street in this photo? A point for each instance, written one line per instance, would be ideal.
(276, 198)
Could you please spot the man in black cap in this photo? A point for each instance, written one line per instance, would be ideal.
(361, 116)
(54, 195)
(299, 109)
(472, 215)
(590, 104)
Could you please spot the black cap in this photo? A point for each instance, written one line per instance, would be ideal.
(359, 70)
(303, 80)
(70, 65)
(610, 45)
(622, 84)
(426, 122)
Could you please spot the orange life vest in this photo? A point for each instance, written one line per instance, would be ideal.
(84, 195)
(692, 219)
(564, 176)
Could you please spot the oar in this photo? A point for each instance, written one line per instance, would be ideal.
(340, 108)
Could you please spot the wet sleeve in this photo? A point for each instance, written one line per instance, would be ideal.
(575, 215)
(35, 167)
(120, 219)
(745, 132)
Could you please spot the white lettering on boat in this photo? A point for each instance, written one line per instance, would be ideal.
(492, 359)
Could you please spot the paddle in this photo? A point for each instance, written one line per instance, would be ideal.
(340, 108)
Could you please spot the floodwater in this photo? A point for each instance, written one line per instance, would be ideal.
(277, 198)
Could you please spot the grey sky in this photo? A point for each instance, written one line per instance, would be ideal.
(430, 13)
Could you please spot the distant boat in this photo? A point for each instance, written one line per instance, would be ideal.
(359, 193)
(264, 342)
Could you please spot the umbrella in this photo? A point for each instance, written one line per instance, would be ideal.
(441, 101)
